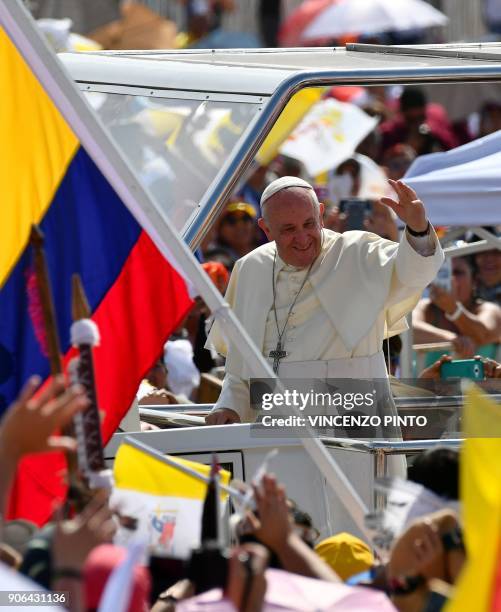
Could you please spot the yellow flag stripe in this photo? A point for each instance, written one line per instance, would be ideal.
(141, 472)
(481, 503)
(37, 148)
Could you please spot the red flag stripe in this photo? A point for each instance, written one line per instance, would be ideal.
(146, 303)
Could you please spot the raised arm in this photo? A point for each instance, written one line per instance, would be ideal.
(425, 332)
(483, 327)
(274, 529)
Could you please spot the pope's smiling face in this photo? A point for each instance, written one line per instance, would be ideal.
(293, 221)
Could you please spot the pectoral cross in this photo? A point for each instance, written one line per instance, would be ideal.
(277, 354)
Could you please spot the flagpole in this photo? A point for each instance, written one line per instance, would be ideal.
(77, 493)
(101, 147)
(152, 452)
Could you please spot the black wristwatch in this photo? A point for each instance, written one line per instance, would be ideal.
(419, 234)
(453, 540)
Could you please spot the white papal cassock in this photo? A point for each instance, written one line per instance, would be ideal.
(357, 293)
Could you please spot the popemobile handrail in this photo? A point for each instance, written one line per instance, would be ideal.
(437, 401)
(397, 447)
(380, 449)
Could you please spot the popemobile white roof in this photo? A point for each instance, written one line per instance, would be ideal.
(266, 79)
(259, 72)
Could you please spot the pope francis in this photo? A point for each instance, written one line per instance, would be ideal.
(318, 303)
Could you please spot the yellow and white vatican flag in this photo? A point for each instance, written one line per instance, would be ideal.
(290, 117)
(328, 134)
(162, 495)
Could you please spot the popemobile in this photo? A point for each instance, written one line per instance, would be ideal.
(147, 99)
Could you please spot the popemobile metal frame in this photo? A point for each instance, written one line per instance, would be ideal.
(264, 81)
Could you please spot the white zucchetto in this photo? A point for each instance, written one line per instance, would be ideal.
(283, 183)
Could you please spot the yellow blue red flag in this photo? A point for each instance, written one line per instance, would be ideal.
(136, 297)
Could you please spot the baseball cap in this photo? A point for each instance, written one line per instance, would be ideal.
(243, 207)
(345, 554)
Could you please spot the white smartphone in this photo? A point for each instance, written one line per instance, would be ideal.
(443, 279)
(444, 275)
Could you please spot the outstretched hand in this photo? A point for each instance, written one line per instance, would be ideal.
(30, 424)
(74, 539)
(274, 524)
(409, 207)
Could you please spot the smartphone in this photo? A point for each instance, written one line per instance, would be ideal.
(444, 276)
(462, 368)
(356, 210)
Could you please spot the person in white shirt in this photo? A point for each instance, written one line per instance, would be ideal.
(319, 303)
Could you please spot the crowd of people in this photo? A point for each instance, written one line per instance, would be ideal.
(477, 332)
(271, 543)
(275, 542)
(425, 559)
